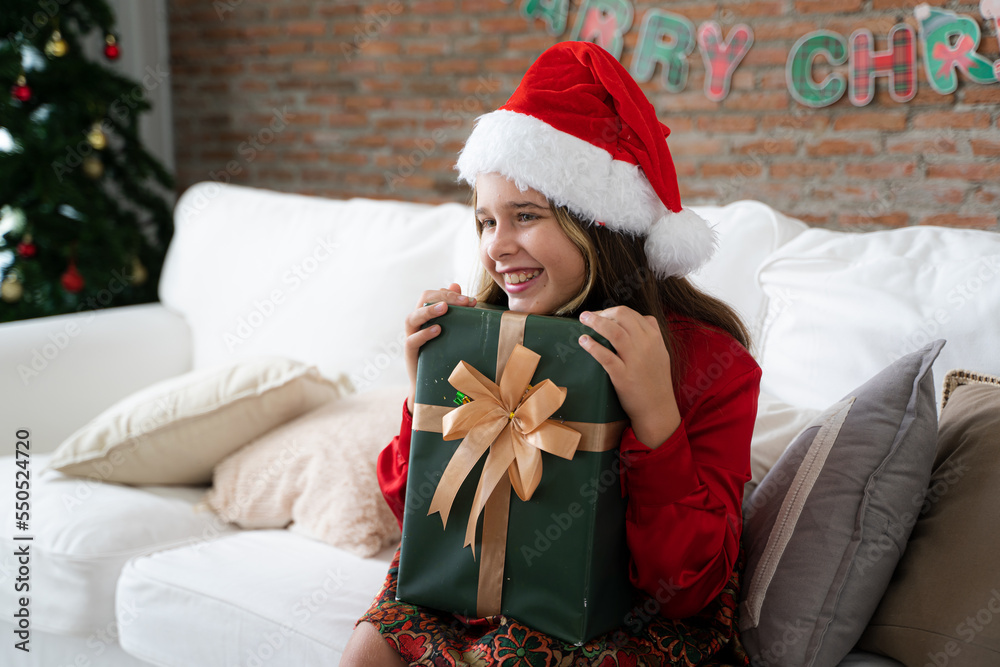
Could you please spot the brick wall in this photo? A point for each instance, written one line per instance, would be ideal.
(362, 99)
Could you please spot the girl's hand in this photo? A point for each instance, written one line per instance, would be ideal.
(640, 371)
(415, 336)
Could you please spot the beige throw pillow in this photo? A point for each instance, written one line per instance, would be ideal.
(943, 604)
(317, 473)
(175, 431)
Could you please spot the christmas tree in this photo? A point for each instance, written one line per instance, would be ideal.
(83, 214)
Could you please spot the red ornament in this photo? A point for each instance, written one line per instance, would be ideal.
(72, 281)
(20, 90)
(27, 249)
(111, 50)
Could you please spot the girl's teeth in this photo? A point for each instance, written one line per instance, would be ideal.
(515, 278)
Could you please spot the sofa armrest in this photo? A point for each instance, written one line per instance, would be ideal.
(57, 373)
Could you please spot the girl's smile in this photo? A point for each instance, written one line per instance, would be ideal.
(523, 247)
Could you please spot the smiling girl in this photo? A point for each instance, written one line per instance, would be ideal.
(578, 214)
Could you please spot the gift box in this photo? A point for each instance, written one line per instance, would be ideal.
(513, 499)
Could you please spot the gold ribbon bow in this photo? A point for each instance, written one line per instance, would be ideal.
(509, 420)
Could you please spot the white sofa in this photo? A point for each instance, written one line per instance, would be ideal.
(123, 575)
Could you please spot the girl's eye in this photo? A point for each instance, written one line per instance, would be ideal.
(487, 223)
(526, 217)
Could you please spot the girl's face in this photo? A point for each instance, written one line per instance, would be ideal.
(524, 249)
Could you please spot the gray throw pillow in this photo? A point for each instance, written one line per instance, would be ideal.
(827, 525)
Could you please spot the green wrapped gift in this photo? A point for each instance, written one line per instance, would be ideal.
(552, 554)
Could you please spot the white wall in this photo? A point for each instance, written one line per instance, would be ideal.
(145, 57)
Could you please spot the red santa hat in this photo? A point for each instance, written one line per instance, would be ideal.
(579, 130)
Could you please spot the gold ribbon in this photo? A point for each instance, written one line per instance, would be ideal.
(513, 425)
(510, 422)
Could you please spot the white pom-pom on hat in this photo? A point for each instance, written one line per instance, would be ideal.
(679, 243)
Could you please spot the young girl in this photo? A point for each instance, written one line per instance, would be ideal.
(578, 214)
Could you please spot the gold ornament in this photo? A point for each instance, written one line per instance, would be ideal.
(56, 46)
(93, 167)
(97, 138)
(11, 289)
(139, 272)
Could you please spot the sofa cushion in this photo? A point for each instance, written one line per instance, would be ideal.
(317, 473)
(943, 604)
(747, 232)
(84, 532)
(322, 281)
(843, 305)
(775, 428)
(826, 526)
(175, 431)
(272, 597)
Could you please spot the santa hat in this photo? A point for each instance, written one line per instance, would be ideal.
(579, 130)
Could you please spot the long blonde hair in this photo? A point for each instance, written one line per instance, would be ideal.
(618, 274)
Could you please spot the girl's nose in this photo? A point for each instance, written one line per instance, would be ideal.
(503, 241)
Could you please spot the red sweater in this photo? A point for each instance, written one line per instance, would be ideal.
(683, 520)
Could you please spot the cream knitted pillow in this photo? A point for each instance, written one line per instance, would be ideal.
(317, 473)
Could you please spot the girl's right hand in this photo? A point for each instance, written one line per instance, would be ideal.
(415, 336)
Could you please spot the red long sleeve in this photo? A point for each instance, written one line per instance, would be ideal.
(684, 521)
(393, 462)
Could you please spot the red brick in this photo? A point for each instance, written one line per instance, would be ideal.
(890, 121)
(757, 101)
(895, 219)
(695, 145)
(291, 12)
(284, 48)
(347, 119)
(425, 48)
(727, 123)
(880, 170)
(878, 5)
(686, 101)
(967, 172)
(988, 197)
(801, 170)
(534, 42)
(405, 67)
(311, 66)
(828, 147)
(959, 220)
(433, 7)
(766, 9)
(985, 147)
(953, 120)
(513, 24)
(810, 121)
(305, 28)
(826, 6)
(455, 66)
(908, 144)
(768, 147)
(981, 94)
(744, 169)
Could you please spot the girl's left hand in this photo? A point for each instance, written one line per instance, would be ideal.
(640, 371)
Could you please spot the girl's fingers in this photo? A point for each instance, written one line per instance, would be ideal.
(610, 361)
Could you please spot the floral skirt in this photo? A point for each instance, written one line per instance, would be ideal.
(430, 637)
